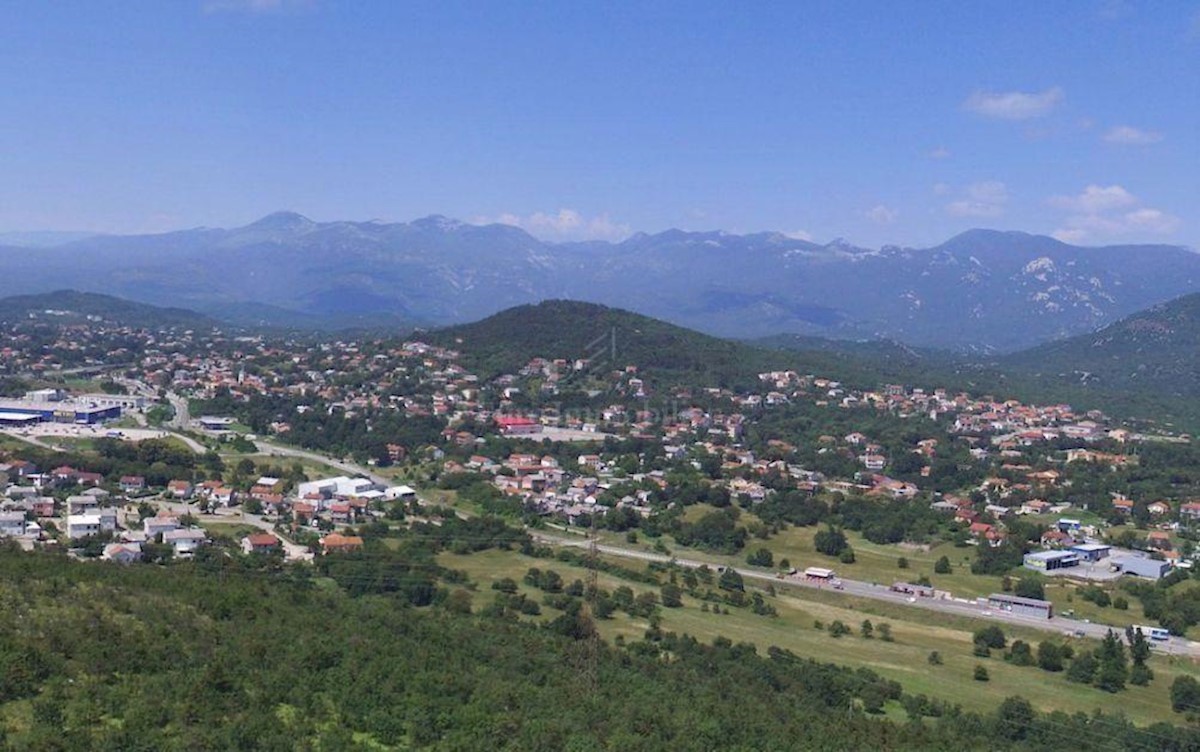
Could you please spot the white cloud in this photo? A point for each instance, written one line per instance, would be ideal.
(565, 224)
(255, 6)
(1109, 211)
(882, 215)
(1014, 105)
(984, 199)
(799, 235)
(939, 152)
(1095, 199)
(1127, 134)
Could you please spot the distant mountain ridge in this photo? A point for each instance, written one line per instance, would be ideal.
(982, 290)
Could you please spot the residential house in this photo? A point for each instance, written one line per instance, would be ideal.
(1158, 508)
(159, 525)
(93, 523)
(260, 543)
(12, 524)
(185, 541)
(133, 483)
(82, 504)
(180, 489)
(338, 543)
(122, 553)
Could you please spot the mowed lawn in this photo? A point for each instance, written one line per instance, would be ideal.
(916, 632)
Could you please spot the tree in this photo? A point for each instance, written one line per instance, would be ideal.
(1020, 654)
(1112, 669)
(1083, 668)
(1050, 656)
(867, 629)
(761, 557)
(1015, 716)
(838, 628)
(830, 541)
(942, 566)
(1185, 694)
(1139, 652)
(981, 673)
(672, 596)
(902, 563)
(731, 580)
(885, 632)
(991, 636)
(1031, 587)
(846, 556)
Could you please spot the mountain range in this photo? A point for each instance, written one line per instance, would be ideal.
(982, 290)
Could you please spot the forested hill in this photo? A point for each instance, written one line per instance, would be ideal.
(236, 653)
(1157, 349)
(71, 306)
(572, 330)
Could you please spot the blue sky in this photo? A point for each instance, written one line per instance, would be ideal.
(880, 122)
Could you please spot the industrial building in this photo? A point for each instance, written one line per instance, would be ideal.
(1141, 566)
(1048, 561)
(1015, 604)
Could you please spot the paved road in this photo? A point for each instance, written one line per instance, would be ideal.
(182, 418)
(278, 450)
(957, 607)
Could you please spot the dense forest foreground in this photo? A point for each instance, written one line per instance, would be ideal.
(380, 650)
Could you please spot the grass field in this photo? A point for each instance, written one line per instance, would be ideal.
(917, 633)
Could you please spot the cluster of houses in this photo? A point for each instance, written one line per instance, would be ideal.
(31, 511)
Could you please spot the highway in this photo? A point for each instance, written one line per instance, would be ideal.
(957, 607)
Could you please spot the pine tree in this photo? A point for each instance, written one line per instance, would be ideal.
(1112, 669)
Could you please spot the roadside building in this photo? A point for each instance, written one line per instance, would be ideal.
(1048, 561)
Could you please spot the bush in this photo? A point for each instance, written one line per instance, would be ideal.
(981, 673)
(761, 557)
(942, 566)
(1185, 694)
(1031, 587)
(935, 658)
(1020, 654)
(830, 541)
(902, 563)
(846, 556)
(991, 636)
(838, 629)
(1050, 656)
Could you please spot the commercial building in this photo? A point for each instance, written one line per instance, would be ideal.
(515, 425)
(1048, 561)
(341, 486)
(63, 411)
(1092, 551)
(123, 401)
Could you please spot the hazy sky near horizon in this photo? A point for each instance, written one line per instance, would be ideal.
(880, 122)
